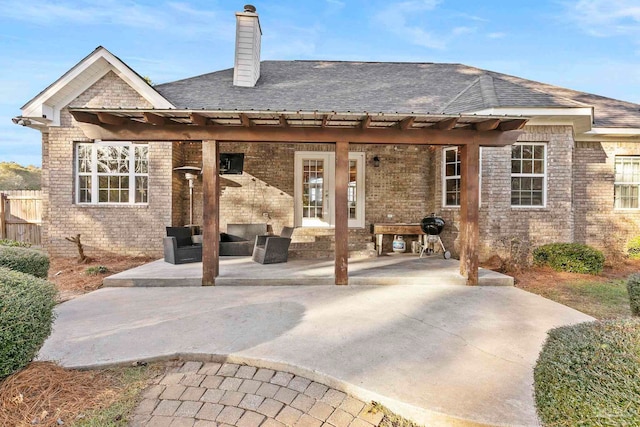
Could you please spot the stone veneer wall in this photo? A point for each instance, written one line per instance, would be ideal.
(597, 222)
(133, 230)
(499, 222)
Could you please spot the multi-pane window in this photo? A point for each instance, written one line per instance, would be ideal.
(528, 174)
(451, 177)
(627, 182)
(312, 188)
(112, 173)
(353, 189)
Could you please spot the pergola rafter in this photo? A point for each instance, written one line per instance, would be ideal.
(469, 132)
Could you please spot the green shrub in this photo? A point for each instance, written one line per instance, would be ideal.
(587, 375)
(633, 287)
(26, 260)
(98, 269)
(633, 248)
(571, 257)
(7, 242)
(26, 315)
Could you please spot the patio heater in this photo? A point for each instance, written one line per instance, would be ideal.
(190, 174)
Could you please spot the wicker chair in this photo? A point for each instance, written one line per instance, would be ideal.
(273, 249)
(179, 248)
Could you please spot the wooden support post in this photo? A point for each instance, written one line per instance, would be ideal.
(3, 216)
(211, 212)
(469, 206)
(341, 213)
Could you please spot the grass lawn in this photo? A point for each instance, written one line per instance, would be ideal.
(603, 297)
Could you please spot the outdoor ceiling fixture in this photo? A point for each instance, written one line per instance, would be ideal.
(190, 174)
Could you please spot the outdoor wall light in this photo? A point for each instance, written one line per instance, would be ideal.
(376, 161)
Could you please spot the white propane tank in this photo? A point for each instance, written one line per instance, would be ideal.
(399, 245)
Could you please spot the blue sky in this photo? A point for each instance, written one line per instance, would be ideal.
(589, 45)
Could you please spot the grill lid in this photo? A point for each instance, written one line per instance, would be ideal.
(432, 225)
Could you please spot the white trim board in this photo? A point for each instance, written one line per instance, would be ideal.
(46, 106)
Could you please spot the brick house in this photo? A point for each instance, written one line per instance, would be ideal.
(500, 158)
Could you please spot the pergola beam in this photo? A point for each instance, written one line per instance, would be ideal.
(83, 117)
(111, 119)
(512, 125)
(406, 123)
(447, 124)
(486, 125)
(154, 119)
(181, 132)
(198, 119)
(245, 120)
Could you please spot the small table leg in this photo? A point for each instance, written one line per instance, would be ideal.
(379, 243)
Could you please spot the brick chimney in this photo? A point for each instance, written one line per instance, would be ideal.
(246, 68)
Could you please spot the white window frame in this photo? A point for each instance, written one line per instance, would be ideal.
(95, 193)
(445, 178)
(629, 183)
(531, 175)
(329, 189)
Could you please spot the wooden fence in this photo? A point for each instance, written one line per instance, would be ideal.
(21, 215)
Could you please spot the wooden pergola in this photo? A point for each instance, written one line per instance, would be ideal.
(468, 132)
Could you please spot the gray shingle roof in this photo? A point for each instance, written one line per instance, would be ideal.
(385, 87)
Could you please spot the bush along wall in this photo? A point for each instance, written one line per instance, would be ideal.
(633, 248)
(30, 261)
(633, 287)
(571, 257)
(587, 375)
(8, 242)
(26, 316)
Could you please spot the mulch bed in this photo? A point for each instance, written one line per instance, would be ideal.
(45, 394)
(71, 278)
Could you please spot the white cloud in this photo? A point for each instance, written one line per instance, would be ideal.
(413, 21)
(459, 31)
(167, 17)
(496, 35)
(605, 18)
(336, 3)
(396, 18)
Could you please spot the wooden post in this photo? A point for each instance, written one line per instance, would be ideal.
(3, 218)
(469, 207)
(211, 212)
(342, 213)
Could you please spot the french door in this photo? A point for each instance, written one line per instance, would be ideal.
(315, 185)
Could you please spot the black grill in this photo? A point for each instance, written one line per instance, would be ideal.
(432, 225)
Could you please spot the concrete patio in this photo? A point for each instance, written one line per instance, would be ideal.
(242, 271)
(438, 354)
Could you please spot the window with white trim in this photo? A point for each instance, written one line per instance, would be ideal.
(112, 173)
(451, 177)
(627, 182)
(528, 174)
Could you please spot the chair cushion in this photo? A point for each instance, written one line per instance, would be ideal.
(247, 231)
(182, 235)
